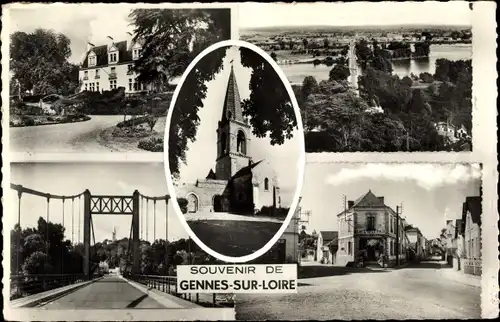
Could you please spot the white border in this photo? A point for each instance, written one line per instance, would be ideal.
(301, 161)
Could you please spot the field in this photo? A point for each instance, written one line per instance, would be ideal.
(234, 237)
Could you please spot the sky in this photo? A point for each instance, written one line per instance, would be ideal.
(354, 14)
(99, 178)
(429, 193)
(283, 158)
(80, 23)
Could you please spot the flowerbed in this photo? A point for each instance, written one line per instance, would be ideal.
(34, 120)
(153, 144)
(136, 131)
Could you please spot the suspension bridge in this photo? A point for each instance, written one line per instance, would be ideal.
(80, 284)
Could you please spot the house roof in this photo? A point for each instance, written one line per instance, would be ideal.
(211, 175)
(124, 54)
(329, 236)
(472, 205)
(246, 170)
(368, 200)
(232, 103)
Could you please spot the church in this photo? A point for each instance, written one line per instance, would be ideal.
(238, 185)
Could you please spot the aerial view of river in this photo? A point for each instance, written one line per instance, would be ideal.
(297, 72)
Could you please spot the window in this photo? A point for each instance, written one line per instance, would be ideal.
(391, 222)
(130, 69)
(392, 248)
(113, 57)
(92, 61)
(266, 184)
(97, 86)
(370, 222)
(349, 225)
(136, 53)
(223, 144)
(241, 142)
(349, 248)
(86, 88)
(130, 84)
(92, 88)
(86, 74)
(97, 73)
(113, 70)
(112, 84)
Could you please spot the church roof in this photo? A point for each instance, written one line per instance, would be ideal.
(232, 103)
(246, 170)
(211, 175)
(368, 200)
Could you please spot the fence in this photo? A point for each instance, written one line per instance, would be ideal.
(472, 266)
(24, 285)
(168, 284)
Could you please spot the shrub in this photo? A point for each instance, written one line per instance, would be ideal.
(50, 119)
(183, 204)
(152, 145)
(138, 132)
(133, 121)
(28, 121)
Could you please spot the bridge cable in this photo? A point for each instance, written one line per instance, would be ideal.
(47, 224)
(79, 216)
(62, 248)
(166, 218)
(147, 219)
(72, 220)
(141, 218)
(154, 220)
(18, 251)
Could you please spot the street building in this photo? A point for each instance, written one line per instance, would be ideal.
(416, 243)
(471, 233)
(368, 229)
(327, 246)
(110, 66)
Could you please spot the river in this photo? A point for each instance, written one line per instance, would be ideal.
(297, 72)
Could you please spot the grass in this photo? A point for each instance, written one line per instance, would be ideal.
(234, 237)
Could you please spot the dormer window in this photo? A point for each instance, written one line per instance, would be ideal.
(113, 57)
(136, 53)
(92, 59)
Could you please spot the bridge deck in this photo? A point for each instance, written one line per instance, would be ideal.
(111, 292)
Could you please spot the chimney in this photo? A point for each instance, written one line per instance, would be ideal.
(129, 38)
(350, 203)
(381, 199)
(111, 41)
(90, 46)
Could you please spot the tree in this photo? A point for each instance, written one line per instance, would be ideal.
(326, 43)
(183, 204)
(339, 72)
(37, 264)
(39, 61)
(309, 85)
(172, 38)
(305, 44)
(273, 56)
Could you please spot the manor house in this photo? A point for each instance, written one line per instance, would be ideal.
(238, 185)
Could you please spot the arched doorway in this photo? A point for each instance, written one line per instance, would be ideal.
(192, 203)
(217, 203)
(241, 143)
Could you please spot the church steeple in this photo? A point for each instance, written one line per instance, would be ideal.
(233, 134)
(232, 104)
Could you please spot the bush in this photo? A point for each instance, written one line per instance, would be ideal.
(138, 132)
(133, 121)
(152, 145)
(50, 119)
(267, 211)
(28, 121)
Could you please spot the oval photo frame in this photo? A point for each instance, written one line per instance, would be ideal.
(300, 162)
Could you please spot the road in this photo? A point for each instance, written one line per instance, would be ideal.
(111, 292)
(71, 137)
(415, 292)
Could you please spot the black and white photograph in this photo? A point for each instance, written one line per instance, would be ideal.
(389, 241)
(99, 78)
(93, 240)
(236, 154)
(373, 77)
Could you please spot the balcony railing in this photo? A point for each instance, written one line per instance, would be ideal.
(130, 72)
(168, 284)
(85, 77)
(112, 75)
(472, 266)
(97, 76)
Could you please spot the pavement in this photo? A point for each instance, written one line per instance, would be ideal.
(418, 291)
(111, 292)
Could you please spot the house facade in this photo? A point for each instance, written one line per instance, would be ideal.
(368, 229)
(471, 233)
(327, 247)
(110, 66)
(416, 243)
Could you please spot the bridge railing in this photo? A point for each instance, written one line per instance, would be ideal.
(168, 284)
(24, 285)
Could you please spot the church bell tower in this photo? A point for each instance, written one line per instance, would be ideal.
(233, 134)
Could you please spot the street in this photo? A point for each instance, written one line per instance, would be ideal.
(415, 292)
(71, 137)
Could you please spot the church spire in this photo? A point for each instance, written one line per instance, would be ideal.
(232, 104)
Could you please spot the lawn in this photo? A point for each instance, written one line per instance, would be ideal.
(234, 237)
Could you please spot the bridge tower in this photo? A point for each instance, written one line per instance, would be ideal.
(353, 67)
